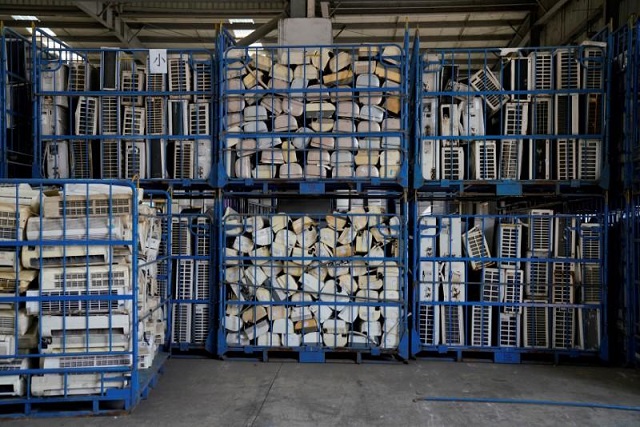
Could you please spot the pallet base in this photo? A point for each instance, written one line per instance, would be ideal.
(509, 356)
(312, 356)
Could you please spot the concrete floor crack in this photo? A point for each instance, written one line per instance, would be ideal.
(253, 419)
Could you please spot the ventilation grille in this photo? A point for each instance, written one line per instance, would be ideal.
(182, 318)
(536, 326)
(566, 166)
(99, 278)
(135, 160)
(509, 330)
(92, 306)
(429, 324)
(202, 236)
(109, 115)
(563, 281)
(538, 278)
(111, 159)
(593, 65)
(509, 244)
(134, 121)
(591, 284)
(567, 69)
(516, 118)
(481, 326)
(542, 64)
(202, 81)
(180, 237)
(199, 119)
(202, 280)
(485, 81)
(485, 157)
(82, 164)
(179, 73)
(563, 328)
(184, 282)
(200, 323)
(155, 107)
(452, 163)
(510, 156)
(491, 280)
(83, 208)
(96, 361)
(183, 160)
(513, 280)
(452, 325)
(476, 247)
(78, 77)
(589, 155)
(590, 235)
(86, 117)
(541, 230)
(8, 230)
(541, 113)
(132, 81)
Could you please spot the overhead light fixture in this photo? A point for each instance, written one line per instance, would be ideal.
(24, 18)
(240, 34)
(241, 21)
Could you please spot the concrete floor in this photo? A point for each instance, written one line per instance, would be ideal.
(196, 392)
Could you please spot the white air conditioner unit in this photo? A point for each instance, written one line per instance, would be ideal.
(202, 280)
(429, 117)
(13, 385)
(541, 70)
(75, 384)
(155, 107)
(431, 72)
(199, 119)
(111, 159)
(589, 244)
(516, 118)
(563, 328)
(563, 279)
(56, 155)
(81, 159)
(481, 326)
(536, 325)
(54, 77)
(510, 159)
(429, 329)
(509, 330)
(200, 327)
(179, 74)
(472, 117)
(485, 81)
(452, 324)
(183, 159)
(57, 256)
(202, 236)
(132, 81)
(566, 113)
(203, 159)
(565, 228)
(80, 362)
(135, 159)
(180, 237)
(450, 244)
(134, 120)
(492, 282)
(476, 247)
(99, 277)
(589, 159)
(541, 230)
(452, 163)
(449, 120)
(454, 281)
(77, 307)
(9, 325)
(593, 67)
(10, 278)
(156, 82)
(109, 115)
(82, 200)
(178, 117)
(517, 75)
(92, 228)
(80, 333)
(538, 275)
(79, 76)
(54, 120)
(202, 81)
(86, 116)
(589, 328)
(539, 149)
(430, 159)
(484, 160)
(567, 67)
(567, 159)
(156, 158)
(512, 290)
(509, 245)
(182, 321)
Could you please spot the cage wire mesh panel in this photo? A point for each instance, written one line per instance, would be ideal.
(510, 279)
(496, 119)
(191, 257)
(15, 94)
(331, 281)
(81, 325)
(123, 114)
(315, 116)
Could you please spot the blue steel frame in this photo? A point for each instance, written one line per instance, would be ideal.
(181, 139)
(232, 61)
(248, 210)
(16, 157)
(198, 238)
(444, 319)
(135, 382)
(499, 94)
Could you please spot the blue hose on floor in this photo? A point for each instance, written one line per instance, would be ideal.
(529, 402)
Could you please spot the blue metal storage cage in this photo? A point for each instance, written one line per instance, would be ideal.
(511, 121)
(509, 279)
(16, 155)
(192, 252)
(314, 118)
(82, 323)
(123, 114)
(313, 277)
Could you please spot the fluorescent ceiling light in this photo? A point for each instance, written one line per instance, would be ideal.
(24, 18)
(241, 21)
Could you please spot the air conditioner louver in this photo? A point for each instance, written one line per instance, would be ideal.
(132, 81)
(589, 159)
(509, 330)
(200, 323)
(566, 166)
(452, 322)
(179, 73)
(491, 285)
(485, 160)
(202, 81)
(79, 76)
(183, 159)
(134, 120)
(485, 81)
(135, 165)
(199, 119)
(593, 68)
(180, 237)
(109, 115)
(82, 159)
(452, 166)
(111, 159)
(429, 324)
(567, 68)
(536, 325)
(563, 328)
(541, 68)
(512, 290)
(516, 118)
(510, 159)
(476, 247)
(86, 116)
(541, 230)
(538, 275)
(155, 109)
(563, 291)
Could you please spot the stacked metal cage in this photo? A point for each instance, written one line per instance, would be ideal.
(82, 323)
(123, 114)
(313, 166)
(510, 210)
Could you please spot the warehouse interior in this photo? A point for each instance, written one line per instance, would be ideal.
(310, 212)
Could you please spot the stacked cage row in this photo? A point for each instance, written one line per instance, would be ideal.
(82, 319)
(123, 114)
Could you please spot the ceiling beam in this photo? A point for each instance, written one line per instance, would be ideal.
(103, 13)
